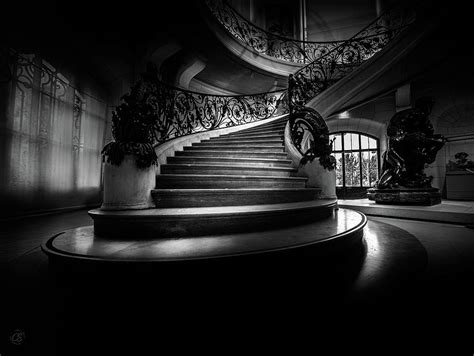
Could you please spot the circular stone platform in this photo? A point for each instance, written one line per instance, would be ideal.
(339, 231)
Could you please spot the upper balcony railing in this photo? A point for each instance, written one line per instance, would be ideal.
(267, 43)
(327, 69)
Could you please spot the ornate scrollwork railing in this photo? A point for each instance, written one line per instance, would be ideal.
(309, 131)
(182, 112)
(320, 74)
(267, 43)
(310, 135)
(176, 112)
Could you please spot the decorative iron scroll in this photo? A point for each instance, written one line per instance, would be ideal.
(181, 112)
(317, 76)
(267, 43)
(310, 135)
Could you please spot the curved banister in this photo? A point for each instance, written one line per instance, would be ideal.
(312, 79)
(179, 112)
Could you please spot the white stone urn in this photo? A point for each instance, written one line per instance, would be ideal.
(128, 187)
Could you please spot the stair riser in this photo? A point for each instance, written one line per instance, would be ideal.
(249, 154)
(225, 182)
(179, 226)
(165, 169)
(202, 199)
(233, 161)
(235, 148)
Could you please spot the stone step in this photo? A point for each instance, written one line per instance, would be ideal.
(182, 198)
(329, 240)
(192, 181)
(217, 147)
(239, 143)
(256, 136)
(231, 154)
(226, 169)
(180, 222)
(262, 131)
(245, 140)
(270, 125)
(258, 162)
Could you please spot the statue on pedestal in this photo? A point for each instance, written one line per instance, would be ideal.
(412, 144)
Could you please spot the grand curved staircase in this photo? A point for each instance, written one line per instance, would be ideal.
(243, 193)
(230, 196)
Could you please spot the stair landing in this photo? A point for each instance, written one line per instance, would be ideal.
(342, 230)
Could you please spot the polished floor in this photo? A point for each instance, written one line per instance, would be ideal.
(410, 283)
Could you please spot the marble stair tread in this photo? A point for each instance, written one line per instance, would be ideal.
(227, 147)
(262, 131)
(225, 153)
(257, 134)
(213, 211)
(228, 168)
(226, 181)
(268, 162)
(257, 138)
(231, 146)
(242, 141)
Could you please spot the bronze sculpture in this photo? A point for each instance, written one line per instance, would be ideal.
(412, 144)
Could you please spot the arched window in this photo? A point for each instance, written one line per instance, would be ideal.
(357, 157)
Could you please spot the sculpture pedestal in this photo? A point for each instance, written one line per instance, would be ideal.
(405, 196)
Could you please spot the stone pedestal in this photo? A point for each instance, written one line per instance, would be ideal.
(127, 186)
(405, 196)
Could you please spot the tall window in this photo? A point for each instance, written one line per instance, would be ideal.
(357, 157)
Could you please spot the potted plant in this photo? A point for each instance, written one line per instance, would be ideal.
(130, 160)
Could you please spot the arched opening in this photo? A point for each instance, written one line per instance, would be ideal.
(358, 161)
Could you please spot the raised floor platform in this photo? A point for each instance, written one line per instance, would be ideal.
(449, 211)
(339, 231)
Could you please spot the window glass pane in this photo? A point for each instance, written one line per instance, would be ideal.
(365, 162)
(339, 180)
(337, 143)
(347, 142)
(373, 168)
(355, 141)
(352, 169)
(372, 143)
(364, 142)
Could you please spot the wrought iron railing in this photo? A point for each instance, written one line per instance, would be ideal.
(178, 112)
(265, 42)
(326, 70)
(182, 112)
(312, 139)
